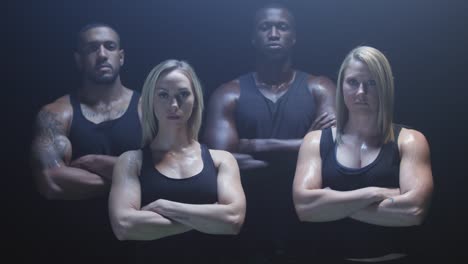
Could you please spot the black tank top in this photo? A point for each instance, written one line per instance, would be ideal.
(384, 171)
(201, 188)
(349, 238)
(270, 211)
(290, 117)
(189, 247)
(112, 137)
(85, 224)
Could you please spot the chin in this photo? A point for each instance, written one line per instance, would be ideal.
(104, 79)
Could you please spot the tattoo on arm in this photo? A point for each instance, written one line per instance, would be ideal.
(50, 144)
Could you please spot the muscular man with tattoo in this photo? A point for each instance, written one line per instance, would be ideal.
(80, 136)
(262, 117)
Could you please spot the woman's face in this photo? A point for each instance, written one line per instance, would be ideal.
(360, 88)
(173, 99)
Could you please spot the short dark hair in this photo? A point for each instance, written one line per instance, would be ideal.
(276, 5)
(89, 26)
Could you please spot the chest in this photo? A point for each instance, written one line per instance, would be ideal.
(196, 185)
(102, 113)
(346, 169)
(272, 95)
(180, 167)
(356, 155)
(259, 116)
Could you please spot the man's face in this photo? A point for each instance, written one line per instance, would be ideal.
(274, 33)
(99, 55)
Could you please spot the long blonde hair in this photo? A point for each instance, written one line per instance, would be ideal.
(381, 71)
(149, 124)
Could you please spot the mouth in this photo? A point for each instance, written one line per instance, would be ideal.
(274, 46)
(361, 103)
(173, 117)
(104, 67)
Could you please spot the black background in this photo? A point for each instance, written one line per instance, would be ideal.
(425, 42)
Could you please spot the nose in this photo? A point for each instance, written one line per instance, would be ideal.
(361, 89)
(174, 104)
(274, 33)
(102, 52)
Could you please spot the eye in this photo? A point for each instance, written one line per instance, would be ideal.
(91, 47)
(283, 26)
(110, 45)
(163, 95)
(372, 83)
(185, 94)
(353, 82)
(263, 27)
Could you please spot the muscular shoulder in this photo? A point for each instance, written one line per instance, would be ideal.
(411, 141)
(222, 157)
(58, 113)
(312, 139)
(225, 95)
(319, 85)
(228, 92)
(131, 159)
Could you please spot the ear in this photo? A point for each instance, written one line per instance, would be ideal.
(121, 57)
(78, 62)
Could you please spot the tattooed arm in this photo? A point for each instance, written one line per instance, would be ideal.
(51, 155)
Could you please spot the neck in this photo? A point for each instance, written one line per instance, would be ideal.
(363, 126)
(171, 139)
(274, 72)
(93, 93)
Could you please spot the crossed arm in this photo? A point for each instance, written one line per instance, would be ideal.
(221, 131)
(405, 206)
(57, 177)
(163, 218)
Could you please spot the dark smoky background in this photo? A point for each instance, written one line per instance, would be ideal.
(425, 42)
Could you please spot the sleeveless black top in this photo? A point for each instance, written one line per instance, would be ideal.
(270, 211)
(290, 117)
(198, 189)
(201, 188)
(384, 171)
(85, 224)
(112, 137)
(349, 238)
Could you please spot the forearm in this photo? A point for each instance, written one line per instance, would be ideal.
(247, 162)
(206, 218)
(268, 145)
(67, 183)
(145, 225)
(105, 165)
(322, 205)
(394, 211)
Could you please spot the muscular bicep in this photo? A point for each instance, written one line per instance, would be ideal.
(308, 174)
(125, 193)
(415, 167)
(50, 147)
(230, 189)
(220, 131)
(323, 91)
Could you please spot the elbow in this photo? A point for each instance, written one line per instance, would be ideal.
(235, 222)
(301, 207)
(302, 213)
(416, 216)
(48, 189)
(121, 228)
